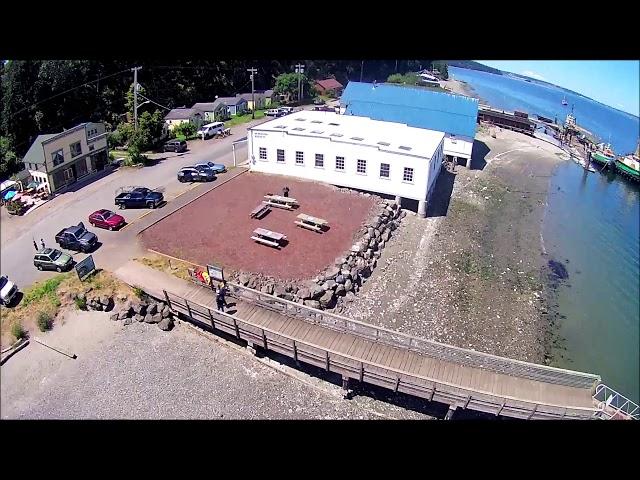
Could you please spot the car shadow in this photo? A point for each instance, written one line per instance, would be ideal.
(15, 301)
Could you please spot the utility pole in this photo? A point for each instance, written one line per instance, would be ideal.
(299, 71)
(252, 72)
(135, 97)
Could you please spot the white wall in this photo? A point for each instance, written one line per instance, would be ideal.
(423, 174)
(458, 147)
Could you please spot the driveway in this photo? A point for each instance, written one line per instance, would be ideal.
(17, 233)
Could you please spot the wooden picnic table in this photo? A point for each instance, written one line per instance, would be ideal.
(311, 223)
(260, 210)
(268, 237)
(281, 199)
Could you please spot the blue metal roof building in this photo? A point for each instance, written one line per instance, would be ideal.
(417, 107)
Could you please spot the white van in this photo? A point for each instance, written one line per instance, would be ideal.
(210, 129)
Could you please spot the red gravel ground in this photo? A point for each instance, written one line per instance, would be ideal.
(216, 227)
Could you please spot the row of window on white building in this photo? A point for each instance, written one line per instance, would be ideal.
(361, 165)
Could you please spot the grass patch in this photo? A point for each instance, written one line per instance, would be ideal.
(17, 330)
(239, 119)
(81, 303)
(138, 292)
(45, 321)
(44, 290)
(164, 264)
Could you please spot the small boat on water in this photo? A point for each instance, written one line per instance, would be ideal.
(564, 101)
(604, 154)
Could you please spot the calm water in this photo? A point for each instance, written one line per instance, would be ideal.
(511, 94)
(592, 225)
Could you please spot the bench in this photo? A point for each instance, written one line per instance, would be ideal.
(260, 211)
(265, 241)
(280, 205)
(309, 226)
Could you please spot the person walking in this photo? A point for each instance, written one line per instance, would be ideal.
(220, 300)
(42, 242)
(285, 192)
(35, 245)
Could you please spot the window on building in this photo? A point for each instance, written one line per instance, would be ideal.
(334, 124)
(263, 153)
(319, 160)
(385, 144)
(403, 147)
(339, 163)
(384, 170)
(336, 135)
(299, 129)
(280, 155)
(316, 121)
(299, 158)
(76, 149)
(407, 176)
(57, 157)
(362, 166)
(319, 132)
(359, 139)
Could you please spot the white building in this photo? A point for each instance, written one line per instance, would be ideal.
(350, 151)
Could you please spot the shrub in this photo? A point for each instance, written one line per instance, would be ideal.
(45, 321)
(138, 292)
(186, 129)
(81, 303)
(18, 331)
(40, 290)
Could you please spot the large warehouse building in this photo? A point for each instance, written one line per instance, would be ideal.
(455, 115)
(350, 151)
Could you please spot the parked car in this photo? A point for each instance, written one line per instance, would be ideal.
(210, 129)
(175, 145)
(106, 219)
(216, 167)
(76, 238)
(192, 174)
(318, 101)
(139, 197)
(8, 290)
(274, 112)
(286, 110)
(52, 259)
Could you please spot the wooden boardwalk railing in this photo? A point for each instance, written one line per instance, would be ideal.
(433, 349)
(357, 368)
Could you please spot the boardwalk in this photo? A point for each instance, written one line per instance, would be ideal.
(460, 378)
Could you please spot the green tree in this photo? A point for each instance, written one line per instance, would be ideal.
(287, 84)
(441, 66)
(9, 163)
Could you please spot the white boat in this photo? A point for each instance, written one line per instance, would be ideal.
(564, 101)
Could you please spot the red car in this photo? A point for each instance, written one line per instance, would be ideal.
(106, 219)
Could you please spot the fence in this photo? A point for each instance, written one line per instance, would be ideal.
(433, 349)
(365, 371)
(614, 406)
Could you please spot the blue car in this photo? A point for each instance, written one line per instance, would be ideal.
(215, 167)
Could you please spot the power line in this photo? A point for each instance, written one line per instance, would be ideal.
(66, 91)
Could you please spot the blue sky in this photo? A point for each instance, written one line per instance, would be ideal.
(612, 82)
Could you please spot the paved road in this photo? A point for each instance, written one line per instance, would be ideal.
(17, 233)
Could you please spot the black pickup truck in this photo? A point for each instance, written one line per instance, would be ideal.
(77, 238)
(139, 197)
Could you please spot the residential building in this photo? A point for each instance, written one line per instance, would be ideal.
(212, 111)
(455, 115)
(59, 159)
(263, 99)
(330, 86)
(350, 151)
(236, 105)
(178, 116)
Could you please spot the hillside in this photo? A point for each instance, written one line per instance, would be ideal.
(471, 65)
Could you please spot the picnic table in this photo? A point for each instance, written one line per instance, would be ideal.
(281, 202)
(311, 223)
(267, 237)
(260, 211)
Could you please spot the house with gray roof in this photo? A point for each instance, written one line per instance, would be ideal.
(181, 115)
(222, 108)
(263, 99)
(59, 159)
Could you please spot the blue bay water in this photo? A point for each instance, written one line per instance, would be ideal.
(514, 94)
(593, 221)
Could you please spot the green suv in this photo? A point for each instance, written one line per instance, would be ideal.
(52, 259)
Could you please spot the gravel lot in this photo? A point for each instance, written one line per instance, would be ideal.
(141, 372)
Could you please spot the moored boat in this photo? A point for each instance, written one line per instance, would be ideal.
(629, 166)
(603, 154)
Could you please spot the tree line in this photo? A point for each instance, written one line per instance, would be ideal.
(47, 96)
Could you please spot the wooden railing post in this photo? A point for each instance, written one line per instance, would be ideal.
(295, 353)
(264, 340)
(466, 404)
(166, 296)
(213, 325)
(235, 325)
(533, 412)
(433, 392)
(327, 353)
(395, 390)
(188, 307)
(361, 372)
(504, 402)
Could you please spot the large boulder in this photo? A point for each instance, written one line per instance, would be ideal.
(329, 285)
(339, 261)
(340, 290)
(386, 235)
(148, 318)
(346, 273)
(138, 317)
(165, 324)
(328, 299)
(373, 263)
(114, 316)
(369, 253)
(348, 285)
(244, 279)
(268, 289)
(366, 271)
(289, 296)
(166, 311)
(279, 291)
(331, 273)
(312, 303)
(316, 292)
(127, 321)
(349, 297)
(371, 232)
(373, 244)
(340, 279)
(152, 309)
(376, 233)
(304, 293)
(253, 282)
